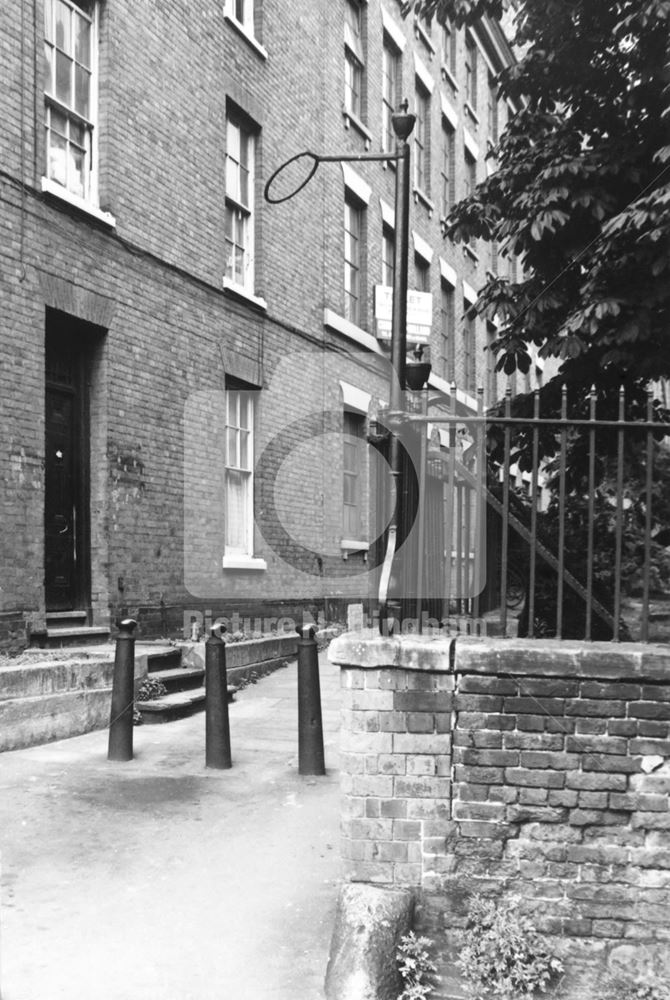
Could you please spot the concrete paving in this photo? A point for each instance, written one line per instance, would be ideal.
(159, 879)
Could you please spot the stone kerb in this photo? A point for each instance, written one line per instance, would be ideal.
(534, 768)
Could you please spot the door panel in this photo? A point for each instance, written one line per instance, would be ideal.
(61, 500)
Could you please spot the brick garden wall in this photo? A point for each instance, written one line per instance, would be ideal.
(539, 769)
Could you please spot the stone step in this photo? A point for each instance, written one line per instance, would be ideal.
(158, 656)
(176, 705)
(179, 678)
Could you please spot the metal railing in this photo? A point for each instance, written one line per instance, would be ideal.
(540, 525)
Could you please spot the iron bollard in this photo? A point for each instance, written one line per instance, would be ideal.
(310, 729)
(217, 727)
(123, 694)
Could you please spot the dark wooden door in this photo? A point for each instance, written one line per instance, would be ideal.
(64, 508)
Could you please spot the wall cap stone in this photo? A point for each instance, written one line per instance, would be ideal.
(367, 650)
(563, 658)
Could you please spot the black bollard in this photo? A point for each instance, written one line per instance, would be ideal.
(123, 694)
(310, 729)
(217, 728)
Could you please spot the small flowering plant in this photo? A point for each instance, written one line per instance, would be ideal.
(415, 966)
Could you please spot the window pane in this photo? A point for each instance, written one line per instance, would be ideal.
(245, 406)
(232, 458)
(63, 78)
(82, 41)
(77, 171)
(63, 26)
(49, 21)
(57, 159)
(48, 69)
(231, 407)
(237, 510)
(244, 186)
(82, 79)
(245, 450)
(58, 122)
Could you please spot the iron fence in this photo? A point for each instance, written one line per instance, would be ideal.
(538, 525)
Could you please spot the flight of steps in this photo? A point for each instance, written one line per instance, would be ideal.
(185, 685)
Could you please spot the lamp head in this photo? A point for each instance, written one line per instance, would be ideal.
(403, 122)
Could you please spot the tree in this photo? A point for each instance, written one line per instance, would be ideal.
(581, 193)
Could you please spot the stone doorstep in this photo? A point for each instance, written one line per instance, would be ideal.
(72, 634)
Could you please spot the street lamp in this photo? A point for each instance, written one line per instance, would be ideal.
(403, 123)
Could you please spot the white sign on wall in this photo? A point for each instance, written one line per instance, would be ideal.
(419, 314)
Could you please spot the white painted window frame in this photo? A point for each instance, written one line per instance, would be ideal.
(89, 201)
(234, 204)
(241, 557)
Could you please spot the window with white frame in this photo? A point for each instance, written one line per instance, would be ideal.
(447, 197)
(471, 72)
(353, 475)
(242, 11)
(391, 76)
(70, 73)
(239, 489)
(354, 59)
(353, 259)
(422, 140)
(239, 221)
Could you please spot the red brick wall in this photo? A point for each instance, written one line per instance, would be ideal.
(538, 769)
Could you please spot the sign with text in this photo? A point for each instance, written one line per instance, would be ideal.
(419, 314)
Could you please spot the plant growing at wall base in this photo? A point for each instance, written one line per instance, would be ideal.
(415, 966)
(151, 688)
(502, 955)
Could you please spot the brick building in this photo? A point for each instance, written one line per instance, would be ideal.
(186, 370)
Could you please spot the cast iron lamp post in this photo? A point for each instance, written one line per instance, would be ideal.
(403, 123)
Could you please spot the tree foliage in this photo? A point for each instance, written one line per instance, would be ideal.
(581, 193)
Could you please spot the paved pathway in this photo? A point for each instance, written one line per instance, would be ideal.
(158, 879)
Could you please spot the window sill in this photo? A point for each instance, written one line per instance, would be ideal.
(244, 562)
(469, 110)
(351, 119)
(421, 196)
(449, 77)
(58, 191)
(246, 35)
(349, 546)
(240, 292)
(339, 324)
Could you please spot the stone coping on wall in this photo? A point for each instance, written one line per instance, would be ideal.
(366, 649)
